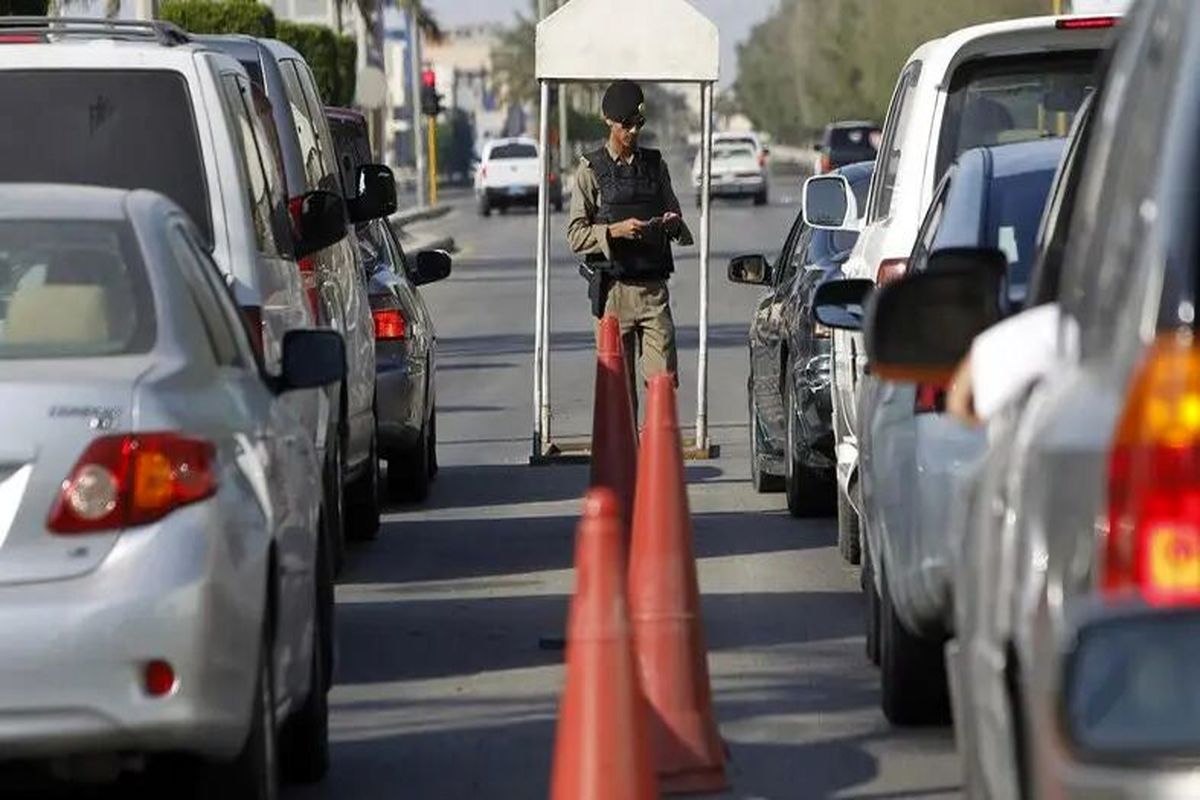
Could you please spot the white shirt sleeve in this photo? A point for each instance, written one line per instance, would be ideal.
(1012, 354)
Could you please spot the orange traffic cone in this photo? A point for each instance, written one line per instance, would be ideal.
(664, 605)
(602, 751)
(614, 439)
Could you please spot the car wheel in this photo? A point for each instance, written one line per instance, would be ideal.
(335, 504)
(871, 612)
(913, 671)
(760, 199)
(432, 442)
(849, 530)
(485, 208)
(362, 507)
(806, 489)
(408, 472)
(558, 206)
(306, 735)
(763, 481)
(325, 610)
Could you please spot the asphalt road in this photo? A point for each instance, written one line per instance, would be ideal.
(442, 690)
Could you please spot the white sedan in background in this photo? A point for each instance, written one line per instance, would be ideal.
(739, 169)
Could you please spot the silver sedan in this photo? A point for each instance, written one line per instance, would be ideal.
(163, 588)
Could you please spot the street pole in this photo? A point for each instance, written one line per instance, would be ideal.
(414, 101)
(564, 151)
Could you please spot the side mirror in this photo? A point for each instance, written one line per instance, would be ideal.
(432, 266)
(376, 198)
(320, 219)
(922, 325)
(828, 203)
(311, 359)
(753, 270)
(840, 303)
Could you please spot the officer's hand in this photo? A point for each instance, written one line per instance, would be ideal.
(627, 229)
(960, 395)
(671, 223)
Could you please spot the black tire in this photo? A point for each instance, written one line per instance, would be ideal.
(762, 481)
(305, 744)
(334, 504)
(849, 530)
(761, 198)
(912, 672)
(485, 208)
(871, 612)
(558, 207)
(363, 500)
(326, 615)
(432, 444)
(408, 472)
(807, 490)
(254, 774)
(699, 201)
(503, 210)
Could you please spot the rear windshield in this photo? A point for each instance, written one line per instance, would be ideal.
(852, 137)
(353, 150)
(71, 289)
(130, 129)
(513, 151)
(727, 153)
(730, 140)
(1013, 99)
(1014, 213)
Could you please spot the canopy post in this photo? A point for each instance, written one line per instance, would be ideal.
(541, 410)
(706, 96)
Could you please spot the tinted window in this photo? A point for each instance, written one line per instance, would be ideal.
(72, 289)
(259, 160)
(889, 158)
(316, 113)
(1000, 101)
(220, 334)
(353, 149)
(131, 129)
(309, 149)
(513, 151)
(1015, 207)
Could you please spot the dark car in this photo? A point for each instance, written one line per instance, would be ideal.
(791, 434)
(405, 339)
(845, 143)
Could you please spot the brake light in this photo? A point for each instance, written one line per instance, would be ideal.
(930, 399)
(553, 178)
(1086, 23)
(483, 171)
(762, 160)
(308, 279)
(891, 269)
(133, 479)
(254, 326)
(390, 324)
(826, 164)
(20, 38)
(1152, 545)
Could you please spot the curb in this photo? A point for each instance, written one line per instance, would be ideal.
(419, 214)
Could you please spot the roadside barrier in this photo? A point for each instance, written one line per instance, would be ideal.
(664, 607)
(601, 749)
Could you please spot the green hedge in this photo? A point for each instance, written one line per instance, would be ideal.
(212, 16)
(332, 57)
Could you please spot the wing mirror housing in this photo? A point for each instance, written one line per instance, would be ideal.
(752, 270)
(920, 327)
(828, 203)
(376, 193)
(432, 266)
(311, 359)
(319, 218)
(841, 303)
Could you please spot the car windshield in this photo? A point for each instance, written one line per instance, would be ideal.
(130, 129)
(730, 153)
(71, 289)
(1013, 99)
(507, 151)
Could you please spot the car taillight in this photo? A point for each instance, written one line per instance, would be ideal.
(308, 279)
(762, 160)
(390, 324)
(826, 164)
(891, 269)
(254, 326)
(1152, 545)
(483, 172)
(553, 178)
(930, 399)
(133, 479)
(1086, 23)
(20, 38)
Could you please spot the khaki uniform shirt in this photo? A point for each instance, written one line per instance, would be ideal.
(584, 234)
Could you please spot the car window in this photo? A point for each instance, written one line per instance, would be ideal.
(931, 227)
(316, 113)
(259, 160)
(314, 167)
(131, 129)
(234, 319)
(1014, 206)
(889, 151)
(783, 260)
(507, 151)
(216, 328)
(72, 289)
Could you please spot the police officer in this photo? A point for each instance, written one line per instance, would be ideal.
(624, 216)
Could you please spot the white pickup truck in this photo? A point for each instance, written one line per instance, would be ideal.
(508, 176)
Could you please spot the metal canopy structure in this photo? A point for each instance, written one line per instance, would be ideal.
(653, 41)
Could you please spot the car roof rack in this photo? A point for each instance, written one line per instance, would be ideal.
(165, 33)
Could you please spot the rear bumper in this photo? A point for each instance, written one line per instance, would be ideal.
(520, 195)
(736, 187)
(74, 651)
(399, 399)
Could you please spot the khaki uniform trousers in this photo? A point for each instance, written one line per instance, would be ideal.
(647, 329)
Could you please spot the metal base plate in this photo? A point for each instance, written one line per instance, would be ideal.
(579, 451)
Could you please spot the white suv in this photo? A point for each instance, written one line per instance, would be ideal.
(983, 85)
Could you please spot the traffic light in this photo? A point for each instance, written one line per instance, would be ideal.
(431, 101)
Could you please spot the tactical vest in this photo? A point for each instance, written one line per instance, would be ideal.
(634, 190)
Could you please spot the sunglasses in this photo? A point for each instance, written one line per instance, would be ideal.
(636, 122)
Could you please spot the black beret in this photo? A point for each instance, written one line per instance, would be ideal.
(622, 100)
